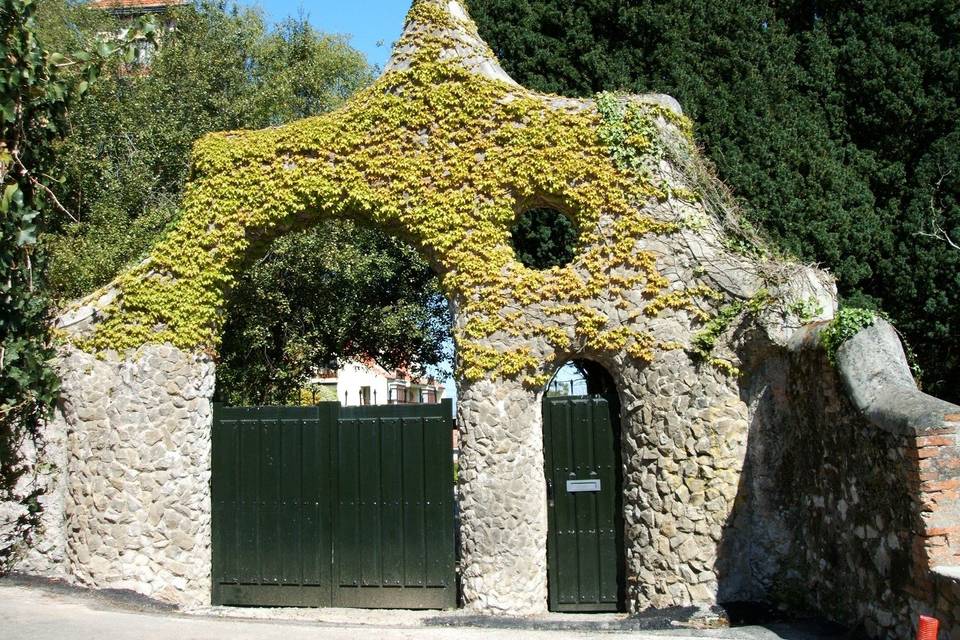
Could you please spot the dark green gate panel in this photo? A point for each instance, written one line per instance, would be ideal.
(331, 506)
(395, 537)
(271, 511)
(584, 541)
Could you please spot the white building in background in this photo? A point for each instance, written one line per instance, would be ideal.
(367, 383)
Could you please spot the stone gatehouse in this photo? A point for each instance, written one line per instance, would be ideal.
(754, 464)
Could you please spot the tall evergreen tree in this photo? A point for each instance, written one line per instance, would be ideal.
(835, 123)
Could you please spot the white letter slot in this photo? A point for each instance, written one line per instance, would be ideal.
(579, 486)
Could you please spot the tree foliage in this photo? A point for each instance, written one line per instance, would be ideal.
(37, 88)
(836, 124)
(128, 156)
(543, 238)
(342, 291)
(127, 159)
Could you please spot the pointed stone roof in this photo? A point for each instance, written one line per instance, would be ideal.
(446, 23)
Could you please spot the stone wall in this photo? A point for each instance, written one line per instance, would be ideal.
(831, 488)
(855, 475)
(46, 552)
(655, 267)
(684, 432)
(130, 507)
(42, 461)
(685, 436)
(136, 495)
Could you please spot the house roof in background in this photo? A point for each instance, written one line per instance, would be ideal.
(135, 6)
(395, 375)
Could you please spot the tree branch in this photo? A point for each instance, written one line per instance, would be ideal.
(938, 232)
(37, 184)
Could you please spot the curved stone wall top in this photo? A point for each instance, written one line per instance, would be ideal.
(445, 150)
(878, 380)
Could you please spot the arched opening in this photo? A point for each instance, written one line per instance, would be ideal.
(336, 312)
(333, 459)
(584, 477)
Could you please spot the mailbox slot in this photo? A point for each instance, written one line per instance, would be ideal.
(581, 486)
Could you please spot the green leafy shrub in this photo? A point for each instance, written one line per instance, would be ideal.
(848, 322)
(37, 88)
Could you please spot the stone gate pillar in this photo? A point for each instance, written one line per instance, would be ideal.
(503, 507)
(137, 483)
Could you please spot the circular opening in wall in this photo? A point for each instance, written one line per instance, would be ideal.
(543, 238)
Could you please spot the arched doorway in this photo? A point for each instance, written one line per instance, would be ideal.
(582, 464)
(329, 488)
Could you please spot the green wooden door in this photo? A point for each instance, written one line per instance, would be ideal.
(394, 541)
(585, 539)
(333, 506)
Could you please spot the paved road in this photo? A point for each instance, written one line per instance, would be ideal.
(40, 613)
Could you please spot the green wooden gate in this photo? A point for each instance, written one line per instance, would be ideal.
(333, 506)
(585, 530)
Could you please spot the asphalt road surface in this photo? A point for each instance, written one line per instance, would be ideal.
(38, 612)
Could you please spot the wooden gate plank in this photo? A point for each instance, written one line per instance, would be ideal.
(368, 550)
(347, 515)
(290, 517)
(414, 548)
(606, 457)
(437, 461)
(249, 497)
(314, 490)
(391, 490)
(268, 524)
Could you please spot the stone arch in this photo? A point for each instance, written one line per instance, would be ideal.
(443, 150)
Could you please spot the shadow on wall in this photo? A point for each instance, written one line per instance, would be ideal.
(834, 514)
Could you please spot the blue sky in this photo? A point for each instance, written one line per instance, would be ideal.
(367, 21)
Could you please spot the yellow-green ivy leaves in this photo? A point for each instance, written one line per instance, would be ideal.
(446, 159)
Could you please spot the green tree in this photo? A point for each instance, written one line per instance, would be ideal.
(834, 123)
(342, 291)
(128, 156)
(543, 238)
(330, 292)
(37, 87)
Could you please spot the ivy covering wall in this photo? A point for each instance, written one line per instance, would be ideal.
(835, 123)
(446, 159)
